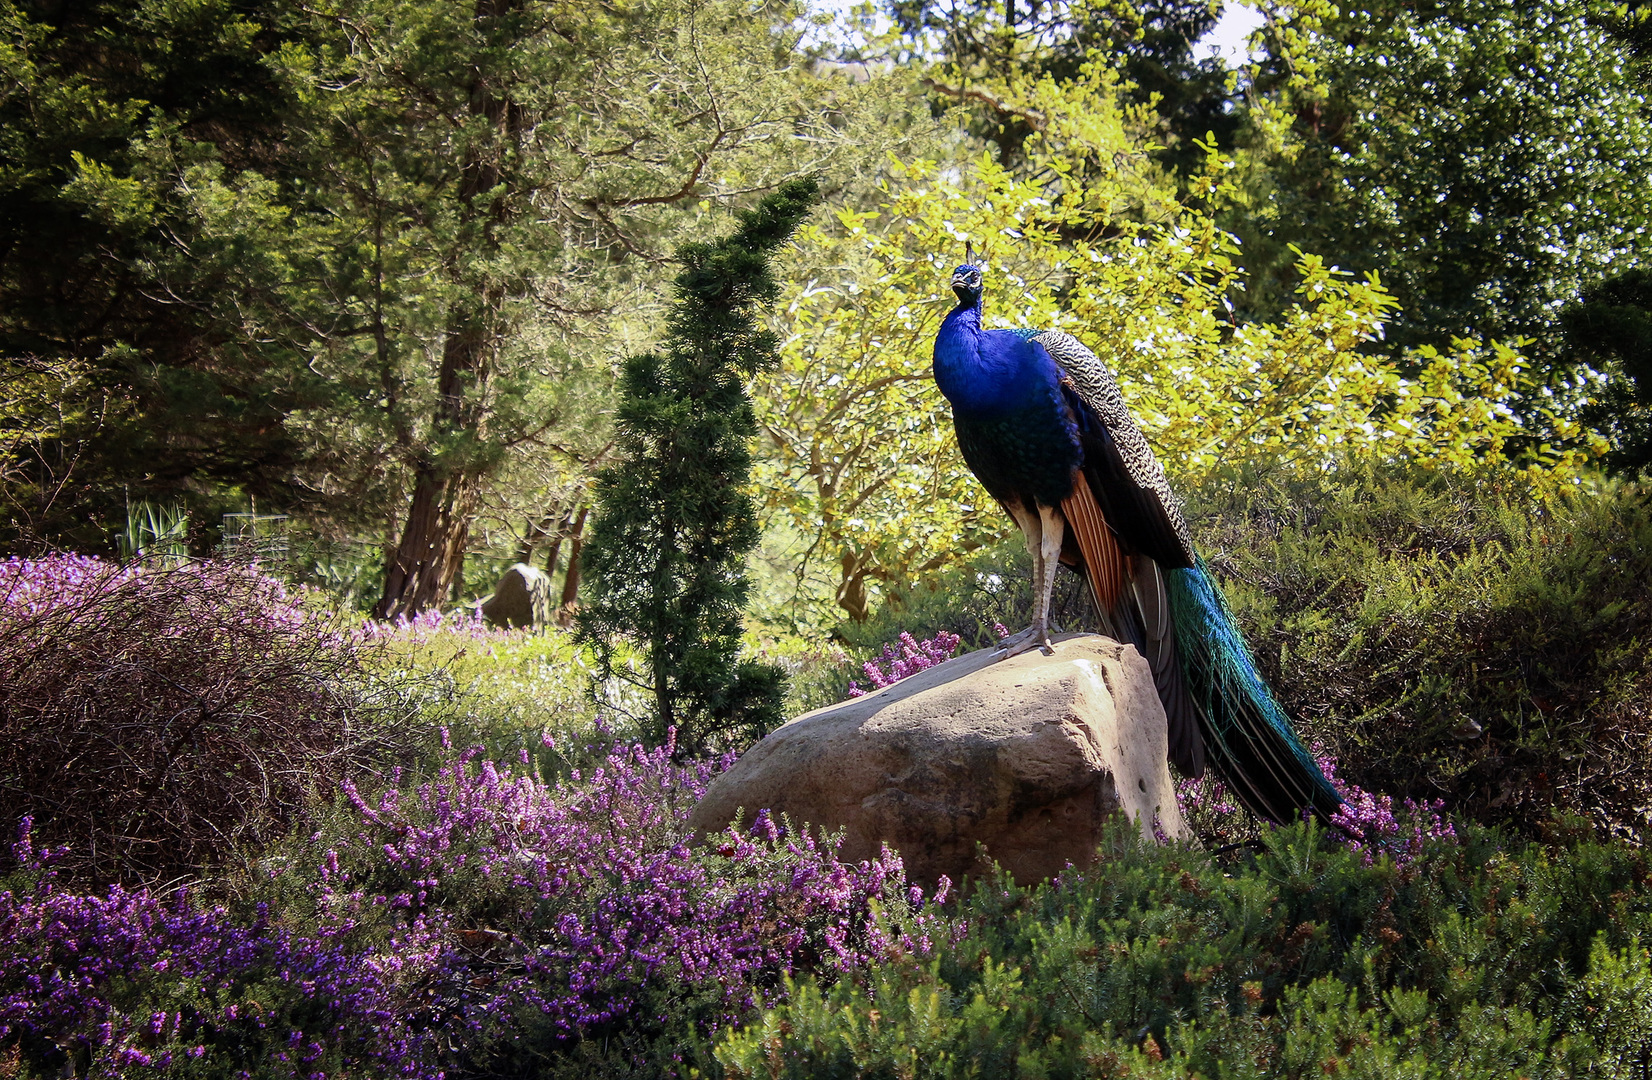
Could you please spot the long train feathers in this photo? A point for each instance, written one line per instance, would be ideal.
(1246, 730)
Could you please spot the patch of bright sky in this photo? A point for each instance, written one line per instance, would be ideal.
(1227, 39)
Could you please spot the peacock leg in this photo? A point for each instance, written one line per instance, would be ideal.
(1054, 528)
(1032, 531)
(1043, 532)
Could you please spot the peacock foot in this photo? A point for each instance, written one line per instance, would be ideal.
(1033, 637)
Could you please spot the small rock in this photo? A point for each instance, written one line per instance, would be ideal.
(1029, 756)
(521, 599)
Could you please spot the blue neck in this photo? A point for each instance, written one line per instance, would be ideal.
(979, 372)
(959, 341)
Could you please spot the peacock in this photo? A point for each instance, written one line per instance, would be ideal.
(1043, 426)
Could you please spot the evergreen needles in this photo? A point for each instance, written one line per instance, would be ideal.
(674, 523)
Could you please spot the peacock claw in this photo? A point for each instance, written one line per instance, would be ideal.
(1027, 640)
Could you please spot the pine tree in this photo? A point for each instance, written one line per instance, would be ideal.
(666, 558)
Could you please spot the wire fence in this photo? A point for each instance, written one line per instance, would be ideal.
(264, 539)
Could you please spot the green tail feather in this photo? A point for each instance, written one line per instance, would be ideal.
(1247, 735)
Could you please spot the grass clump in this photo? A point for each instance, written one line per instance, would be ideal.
(505, 691)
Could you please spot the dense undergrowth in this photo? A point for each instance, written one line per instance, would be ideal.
(1482, 958)
(476, 922)
(478, 876)
(1444, 636)
(1450, 639)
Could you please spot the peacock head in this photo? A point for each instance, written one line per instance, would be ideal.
(966, 284)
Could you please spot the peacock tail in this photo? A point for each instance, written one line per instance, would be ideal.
(1247, 734)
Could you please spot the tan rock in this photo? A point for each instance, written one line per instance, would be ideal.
(521, 599)
(1028, 756)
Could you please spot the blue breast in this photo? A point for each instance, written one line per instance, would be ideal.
(1014, 427)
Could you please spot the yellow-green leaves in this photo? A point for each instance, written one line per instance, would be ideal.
(859, 451)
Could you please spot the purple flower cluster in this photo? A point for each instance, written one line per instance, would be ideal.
(1209, 809)
(78, 584)
(1367, 823)
(1371, 824)
(440, 919)
(464, 622)
(906, 657)
(81, 976)
(36, 586)
(594, 891)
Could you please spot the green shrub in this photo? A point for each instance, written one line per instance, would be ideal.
(1296, 961)
(1452, 639)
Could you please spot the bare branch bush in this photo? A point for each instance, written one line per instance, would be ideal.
(153, 718)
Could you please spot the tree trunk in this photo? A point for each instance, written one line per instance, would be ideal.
(851, 589)
(447, 487)
(570, 584)
(553, 555)
(431, 548)
(532, 537)
(562, 531)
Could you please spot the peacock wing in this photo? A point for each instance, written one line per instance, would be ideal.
(1134, 604)
(1130, 482)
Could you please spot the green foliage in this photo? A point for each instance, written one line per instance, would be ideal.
(1487, 157)
(971, 598)
(120, 345)
(1610, 328)
(860, 455)
(366, 262)
(674, 521)
(1482, 960)
(1451, 636)
(1181, 99)
(154, 531)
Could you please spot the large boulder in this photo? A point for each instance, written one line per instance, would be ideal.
(1027, 756)
(521, 599)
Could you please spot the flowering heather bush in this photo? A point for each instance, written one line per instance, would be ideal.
(591, 913)
(1370, 824)
(1366, 823)
(150, 718)
(1210, 810)
(128, 984)
(484, 922)
(910, 657)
